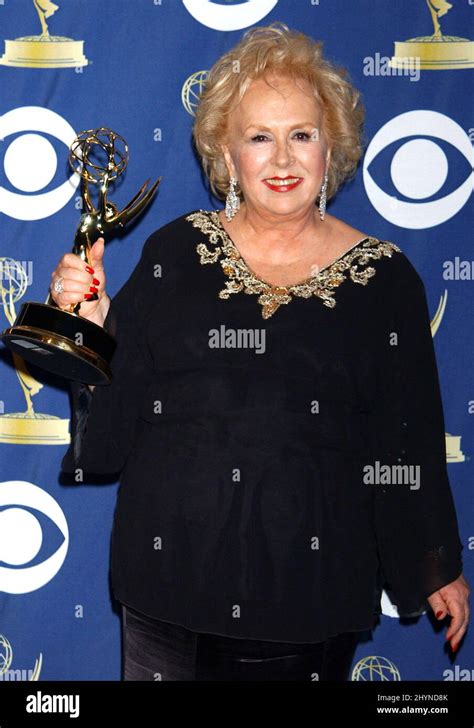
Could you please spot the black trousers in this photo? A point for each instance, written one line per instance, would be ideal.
(157, 650)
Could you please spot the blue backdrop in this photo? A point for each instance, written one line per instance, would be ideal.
(136, 68)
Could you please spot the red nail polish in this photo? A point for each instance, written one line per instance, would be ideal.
(455, 647)
(93, 289)
(95, 282)
(89, 269)
(438, 614)
(87, 295)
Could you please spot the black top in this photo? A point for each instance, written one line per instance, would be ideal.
(281, 450)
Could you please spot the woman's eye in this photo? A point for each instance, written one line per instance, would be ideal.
(302, 136)
(260, 138)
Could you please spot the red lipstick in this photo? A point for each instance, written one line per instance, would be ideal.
(277, 184)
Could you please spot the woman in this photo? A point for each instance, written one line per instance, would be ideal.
(253, 533)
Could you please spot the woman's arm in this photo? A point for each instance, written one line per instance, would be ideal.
(104, 305)
(415, 520)
(104, 417)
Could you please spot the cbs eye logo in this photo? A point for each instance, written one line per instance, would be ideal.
(419, 169)
(32, 525)
(30, 163)
(229, 14)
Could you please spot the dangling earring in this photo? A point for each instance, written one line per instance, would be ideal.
(323, 197)
(232, 201)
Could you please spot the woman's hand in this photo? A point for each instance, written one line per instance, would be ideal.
(452, 599)
(80, 281)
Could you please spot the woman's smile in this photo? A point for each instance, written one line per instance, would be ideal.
(282, 184)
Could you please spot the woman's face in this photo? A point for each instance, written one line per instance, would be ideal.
(276, 147)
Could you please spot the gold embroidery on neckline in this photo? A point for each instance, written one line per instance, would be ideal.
(322, 284)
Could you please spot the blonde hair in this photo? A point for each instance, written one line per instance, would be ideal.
(279, 51)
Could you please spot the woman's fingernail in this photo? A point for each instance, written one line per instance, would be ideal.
(93, 289)
(89, 269)
(95, 282)
(87, 295)
(454, 647)
(438, 614)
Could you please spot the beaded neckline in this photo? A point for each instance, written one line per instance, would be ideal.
(322, 284)
(217, 220)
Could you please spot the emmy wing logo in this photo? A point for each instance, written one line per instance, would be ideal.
(192, 90)
(375, 668)
(28, 427)
(45, 50)
(437, 51)
(10, 674)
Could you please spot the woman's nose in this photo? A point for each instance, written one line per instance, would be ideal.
(283, 154)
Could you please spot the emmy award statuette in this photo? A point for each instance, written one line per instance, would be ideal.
(62, 341)
(437, 51)
(45, 50)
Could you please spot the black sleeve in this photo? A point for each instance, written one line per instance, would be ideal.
(103, 420)
(415, 522)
